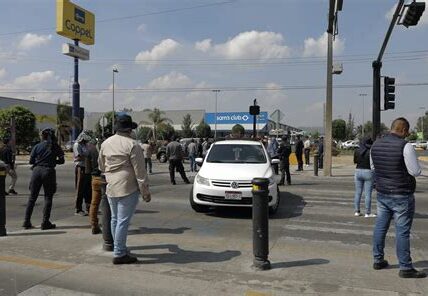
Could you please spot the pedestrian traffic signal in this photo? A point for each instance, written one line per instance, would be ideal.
(413, 13)
(389, 93)
(254, 110)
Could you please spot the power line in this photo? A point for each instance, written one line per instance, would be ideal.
(207, 89)
(128, 17)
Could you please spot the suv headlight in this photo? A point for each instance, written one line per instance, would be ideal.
(271, 181)
(203, 181)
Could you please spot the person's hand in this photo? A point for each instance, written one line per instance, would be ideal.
(147, 197)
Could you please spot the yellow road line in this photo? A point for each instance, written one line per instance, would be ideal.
(35, 262)
(254, 293)
(423, 158)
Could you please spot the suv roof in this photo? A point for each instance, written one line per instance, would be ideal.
(241, 142)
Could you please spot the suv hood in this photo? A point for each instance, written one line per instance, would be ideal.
(236, 171)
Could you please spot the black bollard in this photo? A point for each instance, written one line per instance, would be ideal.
(106, 220)
(316, 155)
(260, 223)
(2, 200)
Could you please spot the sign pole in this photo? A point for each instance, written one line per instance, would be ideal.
(76, 98)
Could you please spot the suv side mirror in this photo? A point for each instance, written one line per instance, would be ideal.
(275, 161)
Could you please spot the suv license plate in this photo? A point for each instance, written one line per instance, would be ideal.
(233, 195)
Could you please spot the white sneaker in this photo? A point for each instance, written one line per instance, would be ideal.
(369, 215)
(357, 214)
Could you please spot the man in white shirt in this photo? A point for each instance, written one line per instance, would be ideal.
(307, 150)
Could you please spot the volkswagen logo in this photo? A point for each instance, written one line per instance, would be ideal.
(234, 185)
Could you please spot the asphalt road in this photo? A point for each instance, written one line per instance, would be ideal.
(317, 246)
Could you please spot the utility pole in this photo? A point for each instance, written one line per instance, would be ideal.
(335, 6)
(216, 91)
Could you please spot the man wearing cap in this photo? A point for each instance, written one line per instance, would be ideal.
(121, 159)
(44, 157)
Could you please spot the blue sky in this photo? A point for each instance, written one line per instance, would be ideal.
(265, 48)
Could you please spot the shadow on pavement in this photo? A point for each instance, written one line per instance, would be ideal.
(74, 227)
(418, 264)
(420, 216)
(291, 205)
(36, 233)
(299, 263)
(145, 212)
(180, 256)
(146, 230)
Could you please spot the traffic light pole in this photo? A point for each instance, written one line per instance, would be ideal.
(377, 65)
(75, 113)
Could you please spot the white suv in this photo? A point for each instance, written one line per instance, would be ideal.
(226, 173)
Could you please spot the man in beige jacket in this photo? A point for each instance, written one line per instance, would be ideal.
(121, 159)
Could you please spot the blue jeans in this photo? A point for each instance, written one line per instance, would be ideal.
(122, 210)
(363, 181)
(402, 209)
(192, 158)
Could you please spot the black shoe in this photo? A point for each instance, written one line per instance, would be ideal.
(281, 184)
(96, 230)
(6, 193)
(108, 247)
(288, 182)
(47, 226)
(27, 225)
(173, 183)
(187, 181)
(12, 191)
(127, 259)
(412, 274)
(380, 265)
(80, 213)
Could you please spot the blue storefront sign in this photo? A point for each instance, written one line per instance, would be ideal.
(235, 118)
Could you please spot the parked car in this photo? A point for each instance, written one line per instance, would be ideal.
(413, 143)
(226, 173)
(422, 145)
(161, 154)
(350, 144)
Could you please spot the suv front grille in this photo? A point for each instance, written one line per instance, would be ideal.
(222, 200)
(227, 183)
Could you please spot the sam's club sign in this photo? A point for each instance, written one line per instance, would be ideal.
(235, 118)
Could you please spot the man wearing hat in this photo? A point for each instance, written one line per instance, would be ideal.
(44, 157)
(82, 176)
(121, 159)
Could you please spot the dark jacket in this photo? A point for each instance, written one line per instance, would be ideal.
(362, 154)
(91, 162)
(174, 151)
(299, 147)
(47, 154)
(391, 175)
(6, 155)
(284, 152)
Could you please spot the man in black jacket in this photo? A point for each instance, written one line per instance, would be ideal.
(396, 166)
(284, 152)
(44, 157)
(7, 156)
(299, 152)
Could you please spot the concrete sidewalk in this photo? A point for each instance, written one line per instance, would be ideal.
(316, 248)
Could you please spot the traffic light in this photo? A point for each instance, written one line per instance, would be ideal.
(413, 13)
(389, 93)
(254, 110)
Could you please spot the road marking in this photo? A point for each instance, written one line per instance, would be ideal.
(35, 262)
(423, 158)
(49, 290)
(255, 293)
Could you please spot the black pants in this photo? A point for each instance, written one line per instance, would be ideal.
(46, 177)
(307, 151)
(177, 164)
(148, 163)
(285, 170)
(299, 161)
(321, 161)
(83, 188)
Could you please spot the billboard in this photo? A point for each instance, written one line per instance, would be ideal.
(235, 118)
(75, 22)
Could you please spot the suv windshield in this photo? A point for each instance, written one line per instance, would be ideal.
(236, 153)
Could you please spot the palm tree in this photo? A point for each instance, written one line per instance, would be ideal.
(156, 119)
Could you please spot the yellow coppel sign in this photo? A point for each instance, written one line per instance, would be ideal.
(75, 22)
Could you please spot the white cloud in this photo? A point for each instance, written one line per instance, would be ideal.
(142, 28)
(251, 44)
(318, 47)
(165, 48)
(30, 41)
(171, 80)
(35, 79)
(203, 45)
(2, 72)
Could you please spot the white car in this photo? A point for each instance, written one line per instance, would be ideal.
(226, 174)
(350, 144)
(422, 145)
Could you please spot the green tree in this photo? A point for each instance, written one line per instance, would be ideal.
(238, 131)
(157, 120)
(339, 129)
(203, 130)
(350, 126)
(187, 126)
(64, 122)
(165, 130)
(25, 124)
(368, 128)
(422, 123)
(315, 135)
(412, 137)
(144, 133)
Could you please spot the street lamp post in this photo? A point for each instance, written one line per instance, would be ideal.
(362, 126)
(216, 91)
(112, 116)
(422, 121)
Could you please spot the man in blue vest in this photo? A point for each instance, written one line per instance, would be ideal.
(396, 166)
